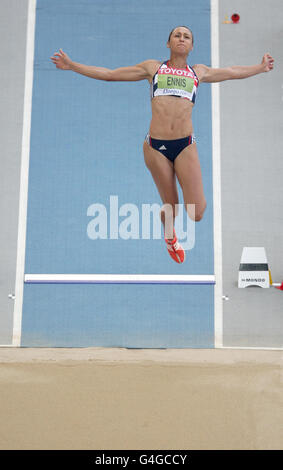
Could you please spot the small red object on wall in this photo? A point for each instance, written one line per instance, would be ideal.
(235, 18)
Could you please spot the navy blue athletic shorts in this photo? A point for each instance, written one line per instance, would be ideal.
(170, 148)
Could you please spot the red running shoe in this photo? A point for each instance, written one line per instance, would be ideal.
(175, 250)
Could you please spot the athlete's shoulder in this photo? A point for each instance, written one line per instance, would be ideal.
(200, 70)
(152, 61)
(151, 66)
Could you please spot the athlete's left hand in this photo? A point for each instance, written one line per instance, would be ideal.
(267, 62)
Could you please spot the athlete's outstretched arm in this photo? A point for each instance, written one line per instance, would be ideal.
(210, 75)
(134, 73)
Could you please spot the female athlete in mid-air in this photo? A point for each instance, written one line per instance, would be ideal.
(170, 149)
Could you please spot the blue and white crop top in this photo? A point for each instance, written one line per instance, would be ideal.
(168, 81)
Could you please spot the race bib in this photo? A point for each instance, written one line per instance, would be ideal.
(174, 82)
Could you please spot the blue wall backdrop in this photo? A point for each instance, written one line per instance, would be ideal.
(86, 145)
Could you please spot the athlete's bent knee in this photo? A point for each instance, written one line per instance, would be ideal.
(194, 212)
(199, 214)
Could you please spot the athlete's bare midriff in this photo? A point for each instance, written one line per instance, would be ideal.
(171, 115)
(171, 118)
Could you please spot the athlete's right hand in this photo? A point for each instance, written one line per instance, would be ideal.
(61, 60)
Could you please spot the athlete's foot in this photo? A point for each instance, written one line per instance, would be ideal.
(175, 250)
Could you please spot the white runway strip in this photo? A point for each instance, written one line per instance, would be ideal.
(21, 244)
(118, 279)
(216, 158)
